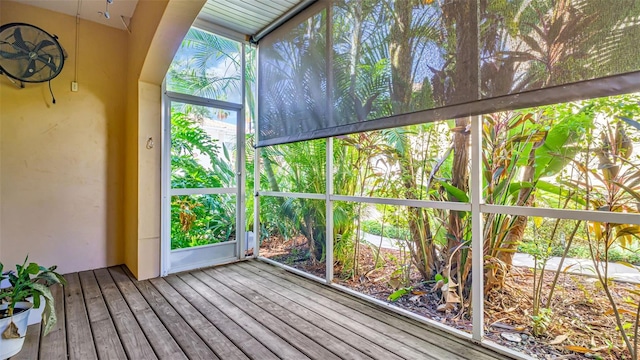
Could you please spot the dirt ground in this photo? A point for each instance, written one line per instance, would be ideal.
(581, 325)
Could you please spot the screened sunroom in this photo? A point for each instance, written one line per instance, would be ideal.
(438, 179)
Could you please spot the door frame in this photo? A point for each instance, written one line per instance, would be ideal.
(165, 235)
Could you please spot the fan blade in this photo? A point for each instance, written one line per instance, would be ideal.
(42, 44)
(30, 71)
(19, 43)
(47, 61)
(10, 55)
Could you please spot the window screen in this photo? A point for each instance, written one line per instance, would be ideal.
(345, 66)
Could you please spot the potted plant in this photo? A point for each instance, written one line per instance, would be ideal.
(28, 281)
(4, 280)
(35, 314)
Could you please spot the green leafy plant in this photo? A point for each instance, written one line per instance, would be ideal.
(401, 276)
(541, 322)
(199, 161)
(389, 231)
(538, 145)
(296, 167)
(30, 280)
(396, 295)
(613, 185)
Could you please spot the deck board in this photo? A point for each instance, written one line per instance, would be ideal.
(301, 342)
(312, 326)
(106, 338)
(238, 335)
(323, 317)
(307, 334)
(397, 327)
(148, 338)
(248, 310)
(192, 345)
(54, 345)
(220, 344)
(79, 336)
(31, 344)
(356, 322)
(134, 341)
(407, 342)
(417, 328)
(279, 346)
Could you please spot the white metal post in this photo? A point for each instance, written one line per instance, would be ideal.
(256, 170)
(477, 232)
(329, 211)
(165, 184)
(241, 233)
(256, 198)
(328, 189)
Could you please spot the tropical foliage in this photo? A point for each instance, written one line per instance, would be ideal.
(393, 57)
(198, 161)
(30, 280)
(207, 66)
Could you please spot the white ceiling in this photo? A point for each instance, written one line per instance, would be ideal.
(90, 9)
(245, 16)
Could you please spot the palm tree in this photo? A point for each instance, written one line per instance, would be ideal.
(209, 66)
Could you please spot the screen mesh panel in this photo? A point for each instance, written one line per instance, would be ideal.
(292, 77)
(346, 66)
(550, 43)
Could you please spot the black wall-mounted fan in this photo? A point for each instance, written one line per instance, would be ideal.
(29, 54)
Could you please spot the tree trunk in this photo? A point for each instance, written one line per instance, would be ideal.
(308, 225)
(466, 72)
(516, 231)
(268, 169)
(496, 275)
(423, 250)
(401, 64)
(401, 58)
(459, 179)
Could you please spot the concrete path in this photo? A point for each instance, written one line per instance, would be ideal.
(618, 272)
(383, 242)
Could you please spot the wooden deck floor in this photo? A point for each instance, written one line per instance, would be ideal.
(248, 310)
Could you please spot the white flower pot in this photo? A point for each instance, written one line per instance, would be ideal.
(5, 284)
(35, 315)
(10, 347)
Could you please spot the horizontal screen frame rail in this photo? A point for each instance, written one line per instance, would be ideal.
(202, 191)
(427, 204)
(583, 215)
(202, 101)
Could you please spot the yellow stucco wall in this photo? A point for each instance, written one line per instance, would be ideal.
(144, 24)
(158, 29)
(62, 165)
(78, 186)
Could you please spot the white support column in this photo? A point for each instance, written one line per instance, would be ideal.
(477, 232)
(256, 170)
(165, 216)
(329, 153)
(241, 203)
(256, 198)
(329, 212)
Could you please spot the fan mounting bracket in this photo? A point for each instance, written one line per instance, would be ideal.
(17, 83)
